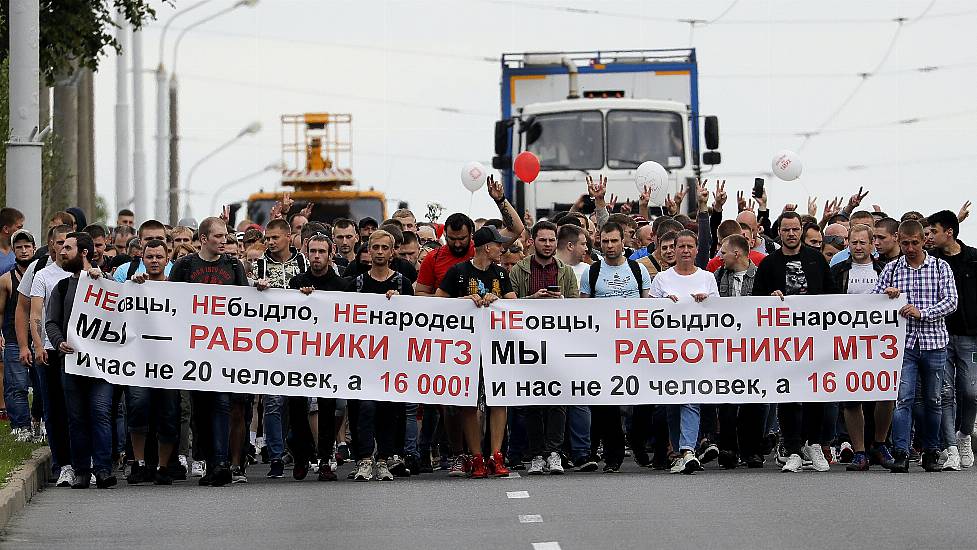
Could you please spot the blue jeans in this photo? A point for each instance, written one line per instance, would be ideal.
(410, 431)
(211, 418)
(959, 389)
(89, 403)
(683, 426)
(924, 367)
(518, 438)
(578, 423)
(274, 429)
(15, 383)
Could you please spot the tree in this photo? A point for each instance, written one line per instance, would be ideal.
(76, 30)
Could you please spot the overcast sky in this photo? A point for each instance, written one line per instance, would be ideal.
(415, 76)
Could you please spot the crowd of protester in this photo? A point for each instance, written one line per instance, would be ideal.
(598, 249)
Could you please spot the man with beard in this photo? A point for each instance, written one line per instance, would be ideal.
(15, 378)
(795, 269)
(88, 399)
(320, 276)
(482, 281)
(544, 276)
(458, 231)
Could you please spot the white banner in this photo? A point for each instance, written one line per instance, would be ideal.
(280, 342)
(723, 350)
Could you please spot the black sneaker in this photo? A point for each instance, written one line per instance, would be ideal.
(222, 476)
(277, 470)
(207, 480)
(612, 467)
(342, 454)
(708, 452)
(300, 470)
(413, 464)
(900, 462)
(177, 472)
(398, 467)
(424, 465)
(163, 476)
(728, 460)
(104, 480)
(754, 461)
(931, 461)
(139, 473)
(82, 481)
(642, 459)
(585, 464)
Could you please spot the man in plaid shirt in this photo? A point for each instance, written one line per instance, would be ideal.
(931, 294)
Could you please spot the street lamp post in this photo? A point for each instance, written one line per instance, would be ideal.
(251, 129)
(174, 107)
(220, 190)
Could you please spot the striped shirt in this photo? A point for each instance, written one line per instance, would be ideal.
(932, 289)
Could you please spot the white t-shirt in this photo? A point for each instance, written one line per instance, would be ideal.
(28, 279)
(579, 270)
(671, 283)
(615, 281)
(862, 278)
(44, 282)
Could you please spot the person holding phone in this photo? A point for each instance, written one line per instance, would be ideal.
(544, 276)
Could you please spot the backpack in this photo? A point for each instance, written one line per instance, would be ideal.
(635, 270)
(133, 267)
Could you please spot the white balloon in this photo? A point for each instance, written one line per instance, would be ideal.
(654, 176)
(473, 176)
(787, 165)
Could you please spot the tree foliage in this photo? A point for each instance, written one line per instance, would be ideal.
(76, 30)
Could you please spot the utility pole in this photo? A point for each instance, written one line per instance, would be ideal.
(138, 133)
(64, 191)
(123, 157)
(23, 170)
(86, 143)
(174, 197)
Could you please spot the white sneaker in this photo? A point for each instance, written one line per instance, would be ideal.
(793, 464)
(678, 465)
(21, 434)
(66, 477)
(536, 466)
(383, 473)
(845, 453)
(692, 464)
(197, 469)
(364, 472)
(952, 460)
(554, 464)
(184, 462)
(966, 450)
(816, 456)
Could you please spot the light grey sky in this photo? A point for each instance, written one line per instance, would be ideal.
(769, 69)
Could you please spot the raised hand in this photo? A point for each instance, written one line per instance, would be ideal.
(307, 211)
(598, 188)
(790, 207)
(719, 196)
(611, 202)
(964, 212)
(645, 196)
(702, 194)
(626, 207)
(812, 207)
(287, 203)
(495, 189)
(856, 199)
(740, 201)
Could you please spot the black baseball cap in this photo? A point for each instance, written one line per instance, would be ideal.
(488, 234)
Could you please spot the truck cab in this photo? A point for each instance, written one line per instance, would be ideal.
(589, 113)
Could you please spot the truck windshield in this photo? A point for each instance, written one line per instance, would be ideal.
(567, 141)
(324, 210)
(636, 136)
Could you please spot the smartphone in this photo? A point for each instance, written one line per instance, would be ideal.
(757, 188)
(553, 289)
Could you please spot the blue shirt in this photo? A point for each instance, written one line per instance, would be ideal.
(123, 270)
(639, 253)
(7, 262)
(843, 255)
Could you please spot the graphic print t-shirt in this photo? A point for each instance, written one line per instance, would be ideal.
(465, 279)
(796, 280)
(222, 271)
(862, 279)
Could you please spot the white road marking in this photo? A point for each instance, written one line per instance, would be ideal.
(531, 518)
(517, 494)
(546, 546)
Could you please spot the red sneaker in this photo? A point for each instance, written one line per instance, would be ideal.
(497, 465)
(478, 467)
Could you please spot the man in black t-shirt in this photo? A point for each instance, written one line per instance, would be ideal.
(320, 276)
(212, 411)
(378, 421)
(482, 281)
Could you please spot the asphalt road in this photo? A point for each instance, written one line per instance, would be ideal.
(637, 508)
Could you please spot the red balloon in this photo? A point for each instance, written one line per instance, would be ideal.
(526, 166)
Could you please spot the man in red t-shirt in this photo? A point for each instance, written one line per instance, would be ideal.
(725, 229)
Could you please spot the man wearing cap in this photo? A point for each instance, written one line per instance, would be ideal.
(482, 281)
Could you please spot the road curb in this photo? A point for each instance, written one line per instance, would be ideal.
(24, 483)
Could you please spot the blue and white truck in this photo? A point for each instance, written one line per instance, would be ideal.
(584, 113)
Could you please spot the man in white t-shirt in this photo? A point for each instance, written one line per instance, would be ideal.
(38, 289)
(858, 274)
(684, 282)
